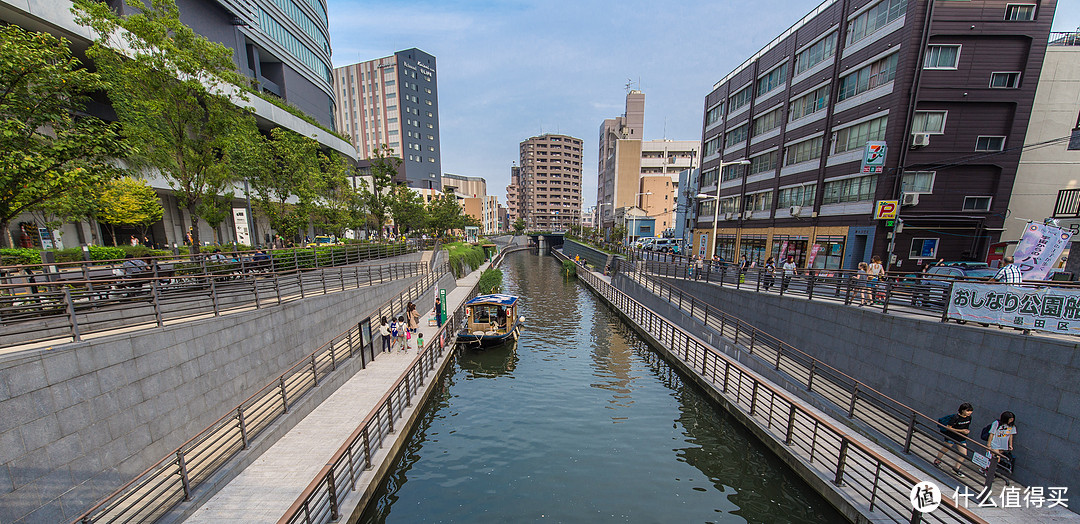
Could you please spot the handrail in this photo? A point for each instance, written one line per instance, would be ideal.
(776, 353)
(321, 499)
(813, 437)
(173, 478)
(71, 309)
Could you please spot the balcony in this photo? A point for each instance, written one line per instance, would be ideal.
(1068, 204)
(1058, 38)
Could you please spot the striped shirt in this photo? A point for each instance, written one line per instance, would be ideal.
(1009, 274)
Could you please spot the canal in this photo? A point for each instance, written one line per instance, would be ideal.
(581, 422)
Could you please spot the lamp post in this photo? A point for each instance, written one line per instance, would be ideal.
(716, 197)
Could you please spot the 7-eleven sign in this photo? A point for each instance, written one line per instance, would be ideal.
(874, 157)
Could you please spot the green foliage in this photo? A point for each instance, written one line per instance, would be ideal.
(408, 210)
(519, 226)
(295, 111)
(338, 206)
(490, 281)
(27, 256)
(463, 256)
(171, 91)
(45, 152)
(444, 213)
(129, 201)
(569, 268)
(214, 209)
(384, 166)
(286, 183)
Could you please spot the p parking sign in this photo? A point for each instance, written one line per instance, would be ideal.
(886, 209)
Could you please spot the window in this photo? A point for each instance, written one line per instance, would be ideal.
(1020, 12)
(803, 151)
(942, 57)
(713, 115)
(990, 143)
(813, 55)
(729, 205)
(874, 75)
(856, 136)
(932, 122)
(869, 21)
(758, 202)
(809, 103)
(712, 145)
(917, 182)
(797, 196)
(736, 135)
(772, 80)
(739, 99)
(977, 203)
(708, 178)
(923, 248)
(1005, 80)
(732, 172)
(768, 121)
(763, 163)
(850, 190)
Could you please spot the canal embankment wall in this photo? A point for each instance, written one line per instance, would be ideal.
(933, 366)
(594, 257)
(81, 419)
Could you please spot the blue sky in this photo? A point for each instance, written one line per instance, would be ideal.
(513, 69)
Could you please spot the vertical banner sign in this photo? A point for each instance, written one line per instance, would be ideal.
(701, 244)
(1039, 249)
(240, 218)
(874, 158)
(783, 252)
(813, 254)
(442, 305)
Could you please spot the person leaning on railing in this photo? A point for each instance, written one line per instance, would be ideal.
(1009, 273)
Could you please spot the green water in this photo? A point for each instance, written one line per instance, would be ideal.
(581, 422)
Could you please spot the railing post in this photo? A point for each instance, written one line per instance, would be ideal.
(810, 380)
(300, 281)
(810, 284)
(910, 433)
(367, 450)
(854, 396)
(213, 296)
(315, 369)
(779, 352)
(888, 296)
(277, 288)
(183, 473)
(70, 306)
(790, 424)
(255, 291)
(331, 485)
(948, 299)
(841, 461)
(390, 412)
(284, 395)
(243, 426)
(753, 332)
(155, 301)
(753, 398)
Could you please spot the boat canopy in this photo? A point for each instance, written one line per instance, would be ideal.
(496, 299)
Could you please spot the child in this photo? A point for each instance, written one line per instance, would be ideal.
(402, 330)
(420, 341)
(394, 331)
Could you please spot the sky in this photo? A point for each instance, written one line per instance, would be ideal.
(509, 70)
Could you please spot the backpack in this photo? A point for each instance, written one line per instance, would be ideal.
(393, 329)
(985, 433)
(945, 422)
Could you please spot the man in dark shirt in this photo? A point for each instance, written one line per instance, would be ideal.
(956, 432)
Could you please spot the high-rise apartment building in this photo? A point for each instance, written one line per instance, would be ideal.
(394, 101)
(550, 182)
(513, 195)
(945, 87)
(619, 159)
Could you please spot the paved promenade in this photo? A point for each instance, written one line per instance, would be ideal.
(265, 489)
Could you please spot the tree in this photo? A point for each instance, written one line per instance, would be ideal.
(519, 226)
(445, 213)
(285, 187)
(214, 209)
(129, 201)
(171, 93)
(407, 208)
(384, 166)
(45, 152)
(338, 206)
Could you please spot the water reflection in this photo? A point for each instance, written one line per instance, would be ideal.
(490, 362)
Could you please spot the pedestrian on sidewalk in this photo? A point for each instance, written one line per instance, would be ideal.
(412, 317)
(402, 332)
(395, 329)
(384, 331)
(420, 341)
(876, 272)
(1000, 438)
(790, 269)
(770, 273)
(699, 265)
(955, 428)
(438, 311)
(860, 284)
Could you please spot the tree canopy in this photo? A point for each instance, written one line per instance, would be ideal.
(129, 201)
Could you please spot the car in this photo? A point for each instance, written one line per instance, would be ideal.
(932, 287)
(663, 245)
(323, 240)
(643, 243)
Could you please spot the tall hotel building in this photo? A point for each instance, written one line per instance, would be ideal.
(946, 85)
(549, 182)
(394, 101)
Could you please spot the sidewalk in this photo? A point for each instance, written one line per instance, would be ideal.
(263, 491)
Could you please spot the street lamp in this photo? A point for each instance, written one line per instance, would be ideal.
(716, 208)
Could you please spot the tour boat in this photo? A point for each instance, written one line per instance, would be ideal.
(490, 320)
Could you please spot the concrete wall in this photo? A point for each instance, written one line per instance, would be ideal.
(593, 256)
(81, 419)
(933, 367)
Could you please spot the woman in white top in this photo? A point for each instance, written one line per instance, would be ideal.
(875, 272)
(1000, 442)
(384, 331)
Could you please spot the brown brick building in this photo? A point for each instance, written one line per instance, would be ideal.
(549, 182)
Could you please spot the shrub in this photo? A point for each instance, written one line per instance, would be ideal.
(464, 256)
(490, 281)
(569, 268)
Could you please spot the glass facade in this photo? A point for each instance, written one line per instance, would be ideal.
(827, 252)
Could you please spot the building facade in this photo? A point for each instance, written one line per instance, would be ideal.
(394, 101)
(549, 182)
(619, 159)
(685, 211)
(658, 178)
(513, 195)
(466, 186)
(946, 87)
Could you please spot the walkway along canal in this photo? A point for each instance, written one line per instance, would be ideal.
(581, 421)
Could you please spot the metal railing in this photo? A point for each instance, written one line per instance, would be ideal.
(173, 478)
(914, 432)
(72, 309)
(1064, 38)
(864, 473)
(321, 500)
(1068, 204)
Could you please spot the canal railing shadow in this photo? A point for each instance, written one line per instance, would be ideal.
(856, 470)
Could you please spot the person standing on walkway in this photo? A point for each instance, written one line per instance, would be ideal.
(1000, 439)
(395, 332)
(402, 332)
(699, 266)
(438, 311)
(790, 270)
(955, 428)
(1009, 273)
(384, 331)
(860, 284)
(744, 266)
(412, 318)
(875, 271)
(770, 273)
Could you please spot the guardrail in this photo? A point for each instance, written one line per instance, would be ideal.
(173, 478)
(880, 483)
(72, 309)
(321, 500)
(915, 432)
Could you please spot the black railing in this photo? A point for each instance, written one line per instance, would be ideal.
(1064, 38)
(173, 478)
(1068, 204)
(883, 486)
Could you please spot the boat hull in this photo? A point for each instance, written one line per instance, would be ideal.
(486, 339)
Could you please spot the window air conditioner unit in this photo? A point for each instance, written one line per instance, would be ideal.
(749, 214)
(920, 139)
(910, 199)
(795, 210)
(727, 216)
